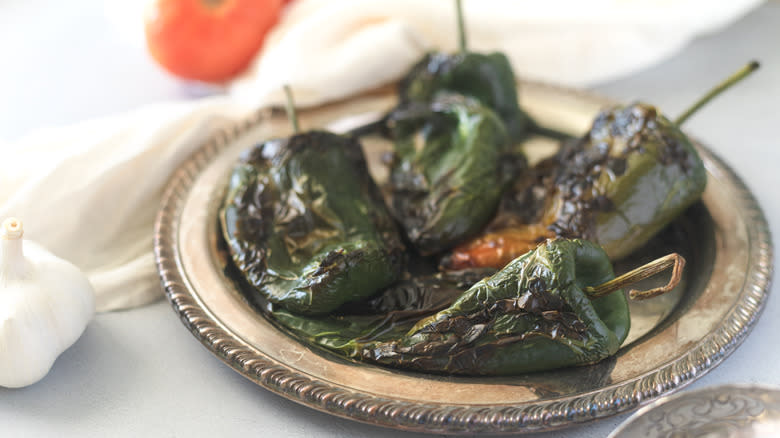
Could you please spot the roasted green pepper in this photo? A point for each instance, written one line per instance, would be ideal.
(486, 77)
(384, 317)
(448, 171)
(306, 226)
(557, 306)
(627, 178)
(620, 184)
(532, 315)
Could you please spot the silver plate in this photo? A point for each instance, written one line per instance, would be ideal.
(673, 340)
(722, 411)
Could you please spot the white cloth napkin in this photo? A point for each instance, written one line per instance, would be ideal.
(330, 49)
(90, 192)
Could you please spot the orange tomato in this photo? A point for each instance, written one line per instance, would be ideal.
(208, 40)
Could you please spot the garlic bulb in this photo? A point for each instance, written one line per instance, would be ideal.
(45, 305)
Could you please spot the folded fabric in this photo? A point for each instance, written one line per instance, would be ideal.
(330, 49)
(90, 192)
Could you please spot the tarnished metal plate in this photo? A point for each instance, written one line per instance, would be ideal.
(673, 340)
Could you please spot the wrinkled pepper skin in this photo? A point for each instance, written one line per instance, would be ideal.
(662, 168)
(448, 171)
(619, 185)
(384, 317)
(486, 77)
(306, 225)
(532, 315)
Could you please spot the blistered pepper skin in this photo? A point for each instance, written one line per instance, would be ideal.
(533, 315)
(449, 169)
(307, 227)
(619, 185)
(663, 176)
(381, 318)
(487, 78)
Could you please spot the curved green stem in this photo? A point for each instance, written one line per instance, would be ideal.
(674, 260)
(291, 113)
(723, 86)
(461, 26)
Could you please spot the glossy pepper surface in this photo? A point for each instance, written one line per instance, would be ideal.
(487, 78)
(532, 315)
(620, 184)
(449, 168)
(306, 226)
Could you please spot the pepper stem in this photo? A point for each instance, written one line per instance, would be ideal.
(674, 260)
(11, 253)
(292, 114)
(461, 26)
(723, 86)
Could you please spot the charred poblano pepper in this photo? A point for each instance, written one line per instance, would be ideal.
(385, 317)
(617, 186)
(620, 184)
(448, 171)
(306, 225)
(487, 78)
(554, 307)
(532, 315)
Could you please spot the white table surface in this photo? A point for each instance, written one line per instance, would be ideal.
(141, 373)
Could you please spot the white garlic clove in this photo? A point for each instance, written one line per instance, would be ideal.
(45, 305)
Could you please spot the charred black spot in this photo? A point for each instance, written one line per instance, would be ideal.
(617, 166)
(580, 164)
(331, 260)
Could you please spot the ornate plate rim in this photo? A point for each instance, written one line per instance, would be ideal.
(709, 393)
(433, 418)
